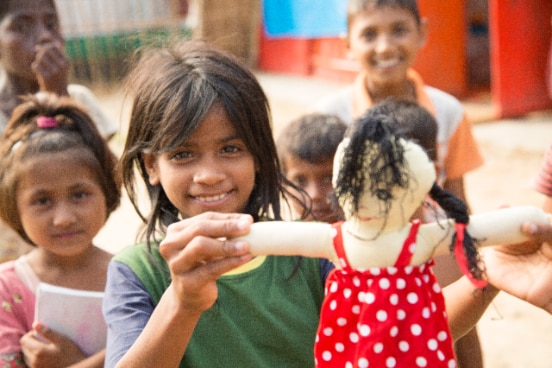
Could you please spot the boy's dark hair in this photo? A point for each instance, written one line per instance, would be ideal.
(24, 140)
(356, 6)
(414, 121)
(312, 137)
(173, 89)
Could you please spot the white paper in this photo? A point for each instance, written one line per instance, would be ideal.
(76, 314)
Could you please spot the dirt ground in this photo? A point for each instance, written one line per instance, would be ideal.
(513, 333)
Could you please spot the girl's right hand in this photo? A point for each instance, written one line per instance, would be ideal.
(197, 253)
(43, 347)
(51, 67)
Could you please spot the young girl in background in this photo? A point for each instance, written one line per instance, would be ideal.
(33, 60)
(57, 188)
(200, 141)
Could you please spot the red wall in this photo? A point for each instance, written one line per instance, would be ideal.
(520, 34)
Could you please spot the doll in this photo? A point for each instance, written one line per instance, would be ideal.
(383, 305)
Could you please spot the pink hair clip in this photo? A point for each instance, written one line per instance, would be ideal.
(46, 122)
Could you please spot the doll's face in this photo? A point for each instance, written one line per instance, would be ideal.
(405, 200)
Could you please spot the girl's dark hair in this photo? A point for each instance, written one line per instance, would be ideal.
(173, 88)
(356, 6)
(24, 140)
(375, 153)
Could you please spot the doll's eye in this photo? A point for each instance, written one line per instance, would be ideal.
(383, 195)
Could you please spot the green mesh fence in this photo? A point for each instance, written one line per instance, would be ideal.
(103, 59)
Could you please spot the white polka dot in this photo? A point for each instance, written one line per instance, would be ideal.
(394, 331)
(412, 298)
(363, 363)
(408, 270)
(432, 344)
(433, 307)
(451, 364)
(401, 314)
(426, 278)
(418, 281)
(391, 362)
(356, 281)
(436, 288)
(333, 305)
(378, 347)
(416, 329)
(353, 337)
(356, 309)
(375, 271)
(381, 315)
(384, 283)
(421, 362)
(327, 356)
(394, 299)
(328, 331)
(412, 248)
(341, 321)
(392, 270)
(404, 346)
(347, 293)
(369, 298)
(401, 284)
(442, 336)
(333, 287)
(342, 262)
(440, 355)
(348, 365)
(426, 313)
(364, 330)
(339, 347)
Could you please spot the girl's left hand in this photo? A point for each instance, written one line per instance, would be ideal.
(45, 348)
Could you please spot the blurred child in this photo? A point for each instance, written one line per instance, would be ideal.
(32, 59)
(57, 188)
(306, 149)
(384, 36)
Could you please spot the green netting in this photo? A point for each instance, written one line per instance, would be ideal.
(104, 58)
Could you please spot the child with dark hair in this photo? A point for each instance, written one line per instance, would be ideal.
(306, 149)
(385, 36)
(57, 188)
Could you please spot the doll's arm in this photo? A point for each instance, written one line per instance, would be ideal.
(290, 238)
(501, 226)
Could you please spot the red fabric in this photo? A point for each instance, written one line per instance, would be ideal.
(461, 257)
(383, 317)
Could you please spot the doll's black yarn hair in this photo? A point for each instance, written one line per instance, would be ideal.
(375, 153)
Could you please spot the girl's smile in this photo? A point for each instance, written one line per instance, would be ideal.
(212, 170)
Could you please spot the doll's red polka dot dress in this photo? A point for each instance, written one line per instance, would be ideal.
(383, 317)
